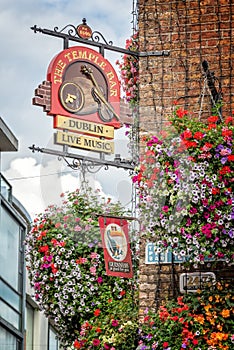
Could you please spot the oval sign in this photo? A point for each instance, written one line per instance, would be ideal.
(84, 31)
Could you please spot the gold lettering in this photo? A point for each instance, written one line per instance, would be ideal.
(82, 54)
(92, 57)
(112, 84)
(58, 72)
(68, 56)
(110, 75)
(102, 65)
(74, 55)
(113, 93)
(57, 80)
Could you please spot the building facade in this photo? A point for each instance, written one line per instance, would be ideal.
(198, 35)
(22, 325)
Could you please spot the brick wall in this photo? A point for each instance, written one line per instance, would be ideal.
(193, 31)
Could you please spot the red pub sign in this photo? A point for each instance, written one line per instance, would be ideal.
(116, 246)
(84, 85)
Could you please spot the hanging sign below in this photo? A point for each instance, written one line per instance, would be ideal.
(115, 241)
(84, 127)
(84, 142)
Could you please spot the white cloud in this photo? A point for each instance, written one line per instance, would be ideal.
(37, 186)
(24, 59)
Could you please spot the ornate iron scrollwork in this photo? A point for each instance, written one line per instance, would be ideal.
(96, 36)
(71, 32)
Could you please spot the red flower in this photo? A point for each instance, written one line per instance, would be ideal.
(207, 146)
(181, 112)
(198, 135)
(54, 269)
(226, 132)
(212, 126)
(98, 330)
(215, 190)
(228, 120)
(122, 293)
(174, 318)
(97, 312)
(225, 170)
(187, 134)
(77, 344)
(44, 249)
(231, 157)
(96, 342)
(213, 119)
(189, 144)
(165, 344)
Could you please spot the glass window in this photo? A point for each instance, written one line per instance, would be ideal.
(10, 315)
(10, 296)
(5, 188)
(9, 252)
(53, 341)
(7, 340)
(29, 327)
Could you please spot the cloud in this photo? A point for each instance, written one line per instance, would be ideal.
(37, 186)
(25, 57)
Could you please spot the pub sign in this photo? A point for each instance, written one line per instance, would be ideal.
(116, 246)
(84, 85)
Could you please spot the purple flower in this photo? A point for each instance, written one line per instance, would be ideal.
(223, 160)
(219, 147)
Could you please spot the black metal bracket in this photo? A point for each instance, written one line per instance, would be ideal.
(69, 33)
(89, 163)
(216, 95)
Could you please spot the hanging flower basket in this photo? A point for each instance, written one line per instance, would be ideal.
(185, 184)
(67, 272)
(129, 72)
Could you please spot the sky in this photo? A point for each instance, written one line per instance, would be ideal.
(39, 179)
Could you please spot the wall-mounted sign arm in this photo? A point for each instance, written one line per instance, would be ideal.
(70, 33)
(88, 162)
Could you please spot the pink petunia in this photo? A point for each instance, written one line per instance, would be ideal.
(96, 342)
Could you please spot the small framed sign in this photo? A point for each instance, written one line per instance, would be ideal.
(192, 281)
(165, 257)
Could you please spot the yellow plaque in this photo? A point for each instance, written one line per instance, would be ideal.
(84, 142)
(83, 126)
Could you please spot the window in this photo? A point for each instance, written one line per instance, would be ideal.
(7, 340)
(9, 252)
(53, 343)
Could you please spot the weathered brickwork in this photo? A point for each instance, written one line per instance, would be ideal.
(193, 31)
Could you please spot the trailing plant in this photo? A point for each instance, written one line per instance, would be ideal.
(197, 321)
(129, 71)
(67, 272)
(185, 184)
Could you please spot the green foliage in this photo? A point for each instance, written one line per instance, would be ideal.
(185, 182)
(198, 321)
(66, 269)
